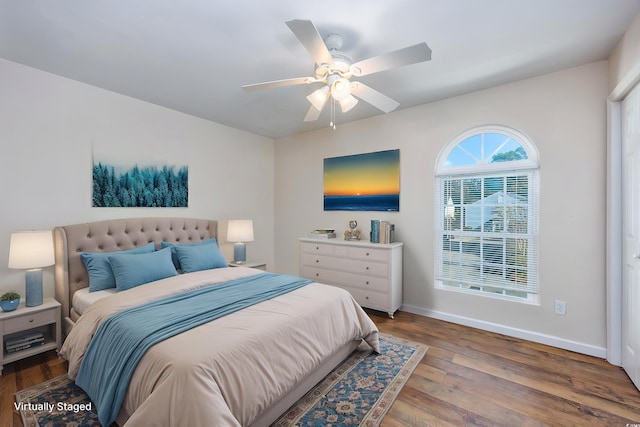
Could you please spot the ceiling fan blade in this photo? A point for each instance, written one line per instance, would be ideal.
(308, 35)
(398, 58)
(373, 97)
(278, 83)
(312, 114)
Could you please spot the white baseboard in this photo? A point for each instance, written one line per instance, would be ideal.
(565, 344)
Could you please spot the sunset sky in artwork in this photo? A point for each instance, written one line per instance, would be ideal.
(363, 174)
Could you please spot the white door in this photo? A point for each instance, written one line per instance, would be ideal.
(631, 235)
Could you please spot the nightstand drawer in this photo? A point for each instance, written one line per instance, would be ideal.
(30, 320)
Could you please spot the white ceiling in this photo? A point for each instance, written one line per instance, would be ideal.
(194, 55)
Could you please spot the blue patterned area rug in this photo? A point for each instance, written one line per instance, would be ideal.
(359, 392)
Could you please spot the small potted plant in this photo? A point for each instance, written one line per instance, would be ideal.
(9, 301)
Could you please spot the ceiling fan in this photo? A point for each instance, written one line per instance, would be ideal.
(334, 70)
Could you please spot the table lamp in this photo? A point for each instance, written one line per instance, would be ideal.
(31, 250)
(240, 231)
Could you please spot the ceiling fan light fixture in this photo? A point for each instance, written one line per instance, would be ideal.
(348, 103)
(334, 69)
(319, 97)
(341, 89)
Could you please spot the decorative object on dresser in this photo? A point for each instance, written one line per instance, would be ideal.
(323, 233)
(30, 331)
(352, 233)
(31, 250)
(371, 272)
(240, 231)
(9, 301)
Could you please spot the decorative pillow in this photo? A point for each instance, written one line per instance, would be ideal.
(97, 264)
(174, 255)
(199, 257)
(131, 270)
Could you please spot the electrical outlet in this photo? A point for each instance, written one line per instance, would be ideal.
(561, 307)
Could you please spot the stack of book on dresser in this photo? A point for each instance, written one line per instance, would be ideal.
(24, 342)
(323, 234)
(381, 231)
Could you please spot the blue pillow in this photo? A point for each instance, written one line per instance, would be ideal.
(131, 270)
(199, 257)
(174, 255)
(97, 264)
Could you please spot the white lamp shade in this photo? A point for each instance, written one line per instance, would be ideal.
(341, 89)
(31, 249)
(348, 103)
(319, 97)
(240, 230)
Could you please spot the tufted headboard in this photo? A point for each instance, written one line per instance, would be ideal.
(110, 236)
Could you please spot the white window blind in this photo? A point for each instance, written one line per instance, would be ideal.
(487, 229)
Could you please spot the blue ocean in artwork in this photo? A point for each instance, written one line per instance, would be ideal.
(383, 202)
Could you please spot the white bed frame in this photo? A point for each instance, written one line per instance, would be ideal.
(121, 234)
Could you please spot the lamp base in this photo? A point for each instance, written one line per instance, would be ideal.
(240, 253)
(33, 287)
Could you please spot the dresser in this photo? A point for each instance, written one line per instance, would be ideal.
(371, 272)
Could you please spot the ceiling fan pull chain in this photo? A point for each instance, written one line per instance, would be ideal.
(333, 114)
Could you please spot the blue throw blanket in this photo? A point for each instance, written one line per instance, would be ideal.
(116, 348)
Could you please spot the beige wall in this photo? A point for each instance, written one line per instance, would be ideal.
(49, 127)
(625, 55)
(564, 114)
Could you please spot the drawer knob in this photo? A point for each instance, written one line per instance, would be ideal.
(367, 282)
(366, 297)
(317, 260)
(30, 320)
(367, 253)
(317, 274)
(317, 248)
(366, 268)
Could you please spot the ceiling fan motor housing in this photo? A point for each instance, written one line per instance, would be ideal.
(341, 62)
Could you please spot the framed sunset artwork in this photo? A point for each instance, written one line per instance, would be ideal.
(363, 182)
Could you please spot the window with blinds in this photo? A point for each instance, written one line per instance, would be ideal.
(487, 215)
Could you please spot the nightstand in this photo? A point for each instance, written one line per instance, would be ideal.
(250, 264)
(44, 318)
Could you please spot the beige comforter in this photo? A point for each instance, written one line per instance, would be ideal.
(228, 371)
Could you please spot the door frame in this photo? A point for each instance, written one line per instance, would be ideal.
(614, 260)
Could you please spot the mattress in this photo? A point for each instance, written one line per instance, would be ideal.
(83, 298)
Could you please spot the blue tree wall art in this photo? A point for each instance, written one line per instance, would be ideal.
(149, 187)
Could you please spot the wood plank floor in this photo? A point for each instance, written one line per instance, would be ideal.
(468, 377)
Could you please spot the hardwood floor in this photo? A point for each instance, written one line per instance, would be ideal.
(473, 377)
(468, 377)
(22, 374)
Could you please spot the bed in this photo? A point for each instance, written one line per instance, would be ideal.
(244, 368)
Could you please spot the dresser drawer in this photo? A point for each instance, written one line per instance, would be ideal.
(317, 248)
(367, 268)
(345, 280)
(370, 299)
(27, 321)
(379, 255)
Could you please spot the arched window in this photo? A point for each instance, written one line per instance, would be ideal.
(487, 206)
